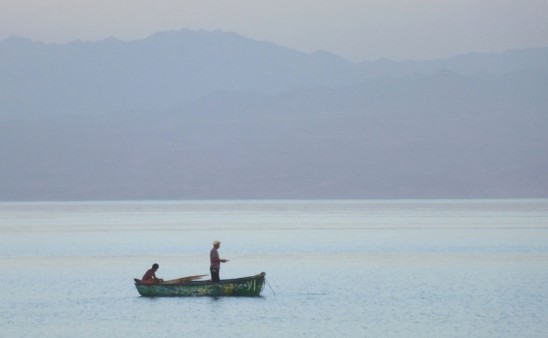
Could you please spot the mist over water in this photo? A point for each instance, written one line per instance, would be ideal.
(335, 268)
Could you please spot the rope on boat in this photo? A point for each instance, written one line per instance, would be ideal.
(266, 280)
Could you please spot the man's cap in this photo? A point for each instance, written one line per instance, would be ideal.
(216, 242)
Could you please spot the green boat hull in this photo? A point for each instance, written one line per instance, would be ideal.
(238, 287)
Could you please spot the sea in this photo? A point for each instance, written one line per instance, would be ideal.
(334, 268)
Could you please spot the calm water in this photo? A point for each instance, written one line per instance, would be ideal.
(335, 268)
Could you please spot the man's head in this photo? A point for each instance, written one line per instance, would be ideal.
(155, 266)
(216, 244)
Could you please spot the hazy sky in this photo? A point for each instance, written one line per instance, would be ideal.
(356, 29)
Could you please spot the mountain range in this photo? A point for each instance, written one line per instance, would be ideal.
(214, 115)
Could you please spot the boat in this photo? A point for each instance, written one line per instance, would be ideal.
(190, 287)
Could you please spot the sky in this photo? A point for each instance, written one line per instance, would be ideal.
(358, 30)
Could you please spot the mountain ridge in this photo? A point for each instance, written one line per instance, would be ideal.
(169, 68)
(79, 122)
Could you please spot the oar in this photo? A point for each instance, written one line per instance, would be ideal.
(183, 279)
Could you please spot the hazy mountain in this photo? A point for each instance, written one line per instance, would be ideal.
(157, 72)
(316, 127)
(467, 64)
(169, 68)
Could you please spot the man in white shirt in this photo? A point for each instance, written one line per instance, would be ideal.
(215, 262)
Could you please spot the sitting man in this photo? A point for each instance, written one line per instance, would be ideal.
(150, 276)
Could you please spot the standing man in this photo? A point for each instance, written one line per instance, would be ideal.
(215, 262)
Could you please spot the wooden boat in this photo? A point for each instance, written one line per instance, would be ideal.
(240, 287)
